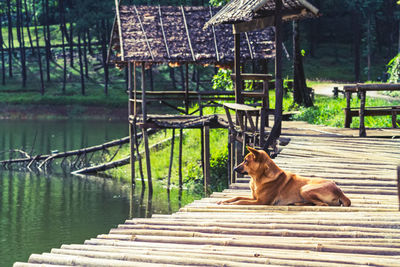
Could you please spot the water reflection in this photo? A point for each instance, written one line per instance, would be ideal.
(42, 211)
(43, 136)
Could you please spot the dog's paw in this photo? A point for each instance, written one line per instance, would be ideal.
(222, 203)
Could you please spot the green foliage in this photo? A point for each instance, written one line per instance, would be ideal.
(222, 80)
(218, 2)
(329, 111)
(394, 69)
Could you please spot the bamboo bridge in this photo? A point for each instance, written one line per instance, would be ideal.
(206, 234)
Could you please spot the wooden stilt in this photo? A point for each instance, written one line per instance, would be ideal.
(187, 88)
(139, 158)
(171, 158)
(180, 157)
(398, 184)
(277, 128)
(233, 160)
(202, 148)
(363, 133)
(144, 133)
(229, 158)
(238, 80)
(131, 203)
(131, 131)
(206, 138)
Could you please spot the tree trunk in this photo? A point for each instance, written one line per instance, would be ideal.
(71, 45)
(46, 30)
(89, 41)
(3, 63)
(21, 42)
(81, 65)
(63, 29)
(369, 48)
(27, 28)
(85, 60)
(104, 54)
(38, 52)
(10, 39)
(356, 43)
(182, 78)
(151, 78)
(301, 95)
(172, 76)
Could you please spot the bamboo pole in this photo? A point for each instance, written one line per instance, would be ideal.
(249, 252)
(180, 158)
(206, 163)
(171, 158)
(144, 132)
(131, 126)
(268, 242)
(398, 184)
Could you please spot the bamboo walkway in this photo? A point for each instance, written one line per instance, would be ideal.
(206, 234)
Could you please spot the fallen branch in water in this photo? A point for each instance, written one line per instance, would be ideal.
(45, 160)
(119, 163)
(104, 167)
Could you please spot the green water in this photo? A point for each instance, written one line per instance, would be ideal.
(42, 211)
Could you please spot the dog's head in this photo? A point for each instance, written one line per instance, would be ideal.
(255, 163)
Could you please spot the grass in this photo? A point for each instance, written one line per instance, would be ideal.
(329, 111)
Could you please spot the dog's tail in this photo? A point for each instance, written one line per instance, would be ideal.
(343, 200)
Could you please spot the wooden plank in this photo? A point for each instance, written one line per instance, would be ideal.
(254, 76)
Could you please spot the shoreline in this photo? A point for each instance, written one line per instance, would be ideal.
(61, 112)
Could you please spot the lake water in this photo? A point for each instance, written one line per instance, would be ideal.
(40, 211)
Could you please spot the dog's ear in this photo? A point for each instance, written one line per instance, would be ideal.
(255, 152)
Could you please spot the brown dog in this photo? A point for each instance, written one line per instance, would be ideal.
(270, 185)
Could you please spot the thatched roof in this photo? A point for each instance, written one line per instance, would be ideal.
(175, 34)
(246, 10)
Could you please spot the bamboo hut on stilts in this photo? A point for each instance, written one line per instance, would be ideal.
(144, 36)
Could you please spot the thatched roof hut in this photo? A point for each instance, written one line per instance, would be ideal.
(175, 34)
(237, 11)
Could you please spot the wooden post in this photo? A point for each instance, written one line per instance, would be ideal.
(144, 111)
(238, 80)
(348, 117)
(171, 158)
(233, 158)
(131, 125)
(335, 92)
(187, 88)
(206, 173)
(229, 158)
(276, 129)
(180, 157)
(398, 184)
(144, 132)
(362, 114)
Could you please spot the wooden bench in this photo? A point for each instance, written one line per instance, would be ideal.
(364, 111)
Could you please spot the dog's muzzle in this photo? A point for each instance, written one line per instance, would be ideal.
(240, 169)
